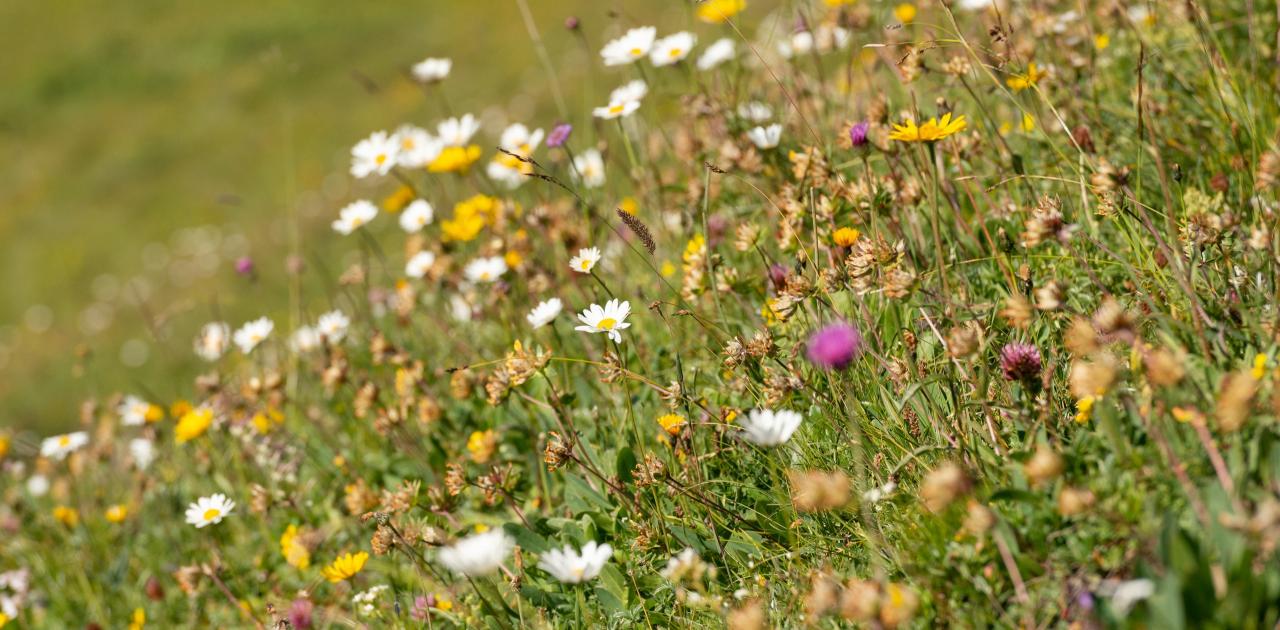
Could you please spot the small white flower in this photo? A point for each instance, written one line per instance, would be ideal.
(878, 494)
(755, 111)
(616, 110)
(629, 48)
(133, 411)
(333, 326)
(417, 215)
(59, 446)
(478, 554)
(375, 154)
(586, 260)
(682, 564)
(38, 485)
(518, 142)
(459, 308)
(589, 168)
(721, 51)
(213, 341)
(305, 339)
(457, 132)
(209, 510)
(1128, 593)
(770, 428)
(609, 320)
(672, 48)
(485, 269)
(624, 100)
(432, 69)
(418, 266)
(801, 44)
(544, 312)
(142, 451)
(765, 137)
(571, 567)
(417, 148)
(253, 333)
(355, 215)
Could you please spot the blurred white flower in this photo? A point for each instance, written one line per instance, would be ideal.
(213, 341)
(485, 269)
(573, 567)
(38, 485)
(623, 101)
(353, 216)
(629, 48)
(589, 168)
(586, 260)
(432, 69)
(721, 51)
(672, 48)
(544, 312)
(142, 451)
(457, 132)
(478, 554)
(417, 215)
(209, 510)
(332, 326)
(305, 339)
(375, 154)
(418, 266)
(755, 111)
(765, 137)
(417, 148)
(459, 308)
(59, 446)
(1128, 593)
(770, 428)
(134, 411)
(608, 319)
(253, 333)
(519, 142)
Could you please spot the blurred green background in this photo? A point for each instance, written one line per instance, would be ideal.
(151, 143)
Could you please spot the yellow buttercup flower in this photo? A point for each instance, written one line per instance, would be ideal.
(845, 236)
(481, 445)
(66, 515)
(469, 217)
(931, 131)
(294, 552)
(1084, 409)
(1028, 123)
(138, 620)
(4, 620)
(513, 258)
(192, 425)
(455, 159)
(4, 446)
(1101, 41)
(345, 567)
(719, 11)
(671, 423)
(1032, 76)
(117, 513)
(667, 270)
(179, 408)
(397, 200)
(837, 3)
(905, 12)
(1259, 366)
(629, 206)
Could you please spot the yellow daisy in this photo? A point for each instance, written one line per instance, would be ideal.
(345, 567)
(931, 131)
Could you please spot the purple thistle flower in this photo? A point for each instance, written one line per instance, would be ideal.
(778, 276)
(858, 134)
(1020, 362)
(244, 266)
(300, 614)
(559, 135)
(835, 346)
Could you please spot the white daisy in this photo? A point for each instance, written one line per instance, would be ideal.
(431, 69)
(629, 48)
(305, 339)
(672, 48)
(478, 554)
(142, 451)
(609, 320)
(417, 148)
(333, 326)
(375, 154)
(417, 215)
(59, 446)
(133, 411)
(38, 485)
(510, 170)
(499, 170)
(571, 567)
(519, 139)
(353, 216)
(459, 308)
(209, 510)
(586, 260)
(616, 110)
(213, 341)
(765, 137)
(544, 312)
(623, 101)
(721, 51)
(755, 111)
(588, 167)
(801, 43)
(485, 269)
(770, 428)
(418, 266)
(253, 333)
(457, 132)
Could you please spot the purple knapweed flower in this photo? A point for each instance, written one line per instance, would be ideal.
(858, 134)
(835, 346)
(1020, 362)
(559, 135)
(244, 265)
(300, 613)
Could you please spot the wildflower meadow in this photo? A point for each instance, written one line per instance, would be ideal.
(806, 313)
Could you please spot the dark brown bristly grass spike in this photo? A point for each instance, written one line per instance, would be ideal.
(640, 229)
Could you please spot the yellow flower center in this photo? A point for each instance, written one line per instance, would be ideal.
(607, 323)
(64, 441)
(407, 143)
(211, 514)
(586, 265)
(616, 109)
(484, 275)
(675, 53)
(381, 157)
(636, 52)
(579, 571)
